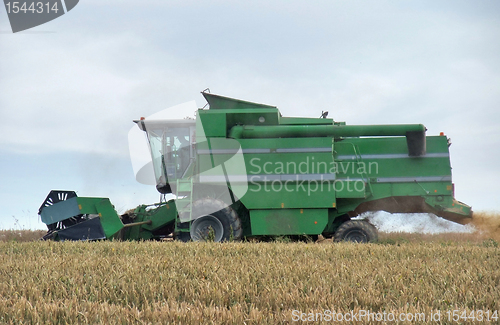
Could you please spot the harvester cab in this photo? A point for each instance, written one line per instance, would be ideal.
(172, 146)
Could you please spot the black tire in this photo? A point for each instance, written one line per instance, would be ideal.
(183, 236)
(207, 228)
(230, 221)
(358, 231)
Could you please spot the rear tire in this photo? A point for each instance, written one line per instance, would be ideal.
(358, 231)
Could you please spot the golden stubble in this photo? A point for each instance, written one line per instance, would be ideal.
(243, 282)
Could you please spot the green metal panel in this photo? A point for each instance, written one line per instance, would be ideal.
(288, 221)
(345, 205)
(216, 123)
(213, 124)
(347, 188)
(369, 168)
(160, 216)
(110, 221)
(252, 117)
(87, 205)
(290, 173)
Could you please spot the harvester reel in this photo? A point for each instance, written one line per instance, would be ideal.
(358, 231)
(56, 196)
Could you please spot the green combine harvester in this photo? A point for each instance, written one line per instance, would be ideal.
(241, 170)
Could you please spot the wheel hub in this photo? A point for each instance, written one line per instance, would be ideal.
(207, 228)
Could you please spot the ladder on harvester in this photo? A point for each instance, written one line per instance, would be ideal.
(368, 192)
(184, 203)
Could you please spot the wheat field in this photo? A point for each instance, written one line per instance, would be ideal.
(247, 282)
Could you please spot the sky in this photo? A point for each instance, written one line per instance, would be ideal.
(70, 88)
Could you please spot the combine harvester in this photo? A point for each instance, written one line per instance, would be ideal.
(241, 169)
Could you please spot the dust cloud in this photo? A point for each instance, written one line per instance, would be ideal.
(485, 224)
(415, 223)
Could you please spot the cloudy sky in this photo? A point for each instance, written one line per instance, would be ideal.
(70, 88)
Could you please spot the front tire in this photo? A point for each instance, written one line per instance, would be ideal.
(207, 228)
(205, 211)
(182, 236)
(357, 231)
